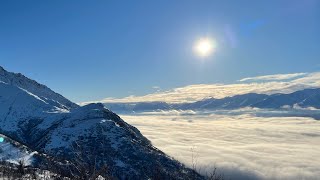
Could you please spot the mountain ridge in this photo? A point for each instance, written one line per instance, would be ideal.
(303, 98)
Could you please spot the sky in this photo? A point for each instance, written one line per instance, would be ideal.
(91, 50)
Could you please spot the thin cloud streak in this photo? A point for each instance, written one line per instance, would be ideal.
(276, 77)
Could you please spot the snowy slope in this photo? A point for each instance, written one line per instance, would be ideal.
(42, 91)
(14, 152)
(21, 109)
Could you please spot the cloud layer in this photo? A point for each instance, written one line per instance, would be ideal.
(281, 83)
(242, 146)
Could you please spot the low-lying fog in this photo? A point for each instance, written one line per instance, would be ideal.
(239, 143)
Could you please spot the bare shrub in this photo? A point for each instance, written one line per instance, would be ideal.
(210, 174)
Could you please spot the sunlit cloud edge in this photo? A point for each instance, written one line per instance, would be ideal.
(269, 84)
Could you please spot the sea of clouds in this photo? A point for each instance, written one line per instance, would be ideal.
(242, 144)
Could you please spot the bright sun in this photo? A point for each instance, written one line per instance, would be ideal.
(204, 47)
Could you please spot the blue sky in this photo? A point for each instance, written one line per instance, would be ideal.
(89, 50)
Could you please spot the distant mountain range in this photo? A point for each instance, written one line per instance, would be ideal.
(300, 99)
(89, 139)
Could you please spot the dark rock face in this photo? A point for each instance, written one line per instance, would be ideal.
(90, 136)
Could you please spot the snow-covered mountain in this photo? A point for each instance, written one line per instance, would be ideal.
(302, 99)
(88, 139)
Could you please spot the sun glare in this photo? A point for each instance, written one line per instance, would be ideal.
(204, 47)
